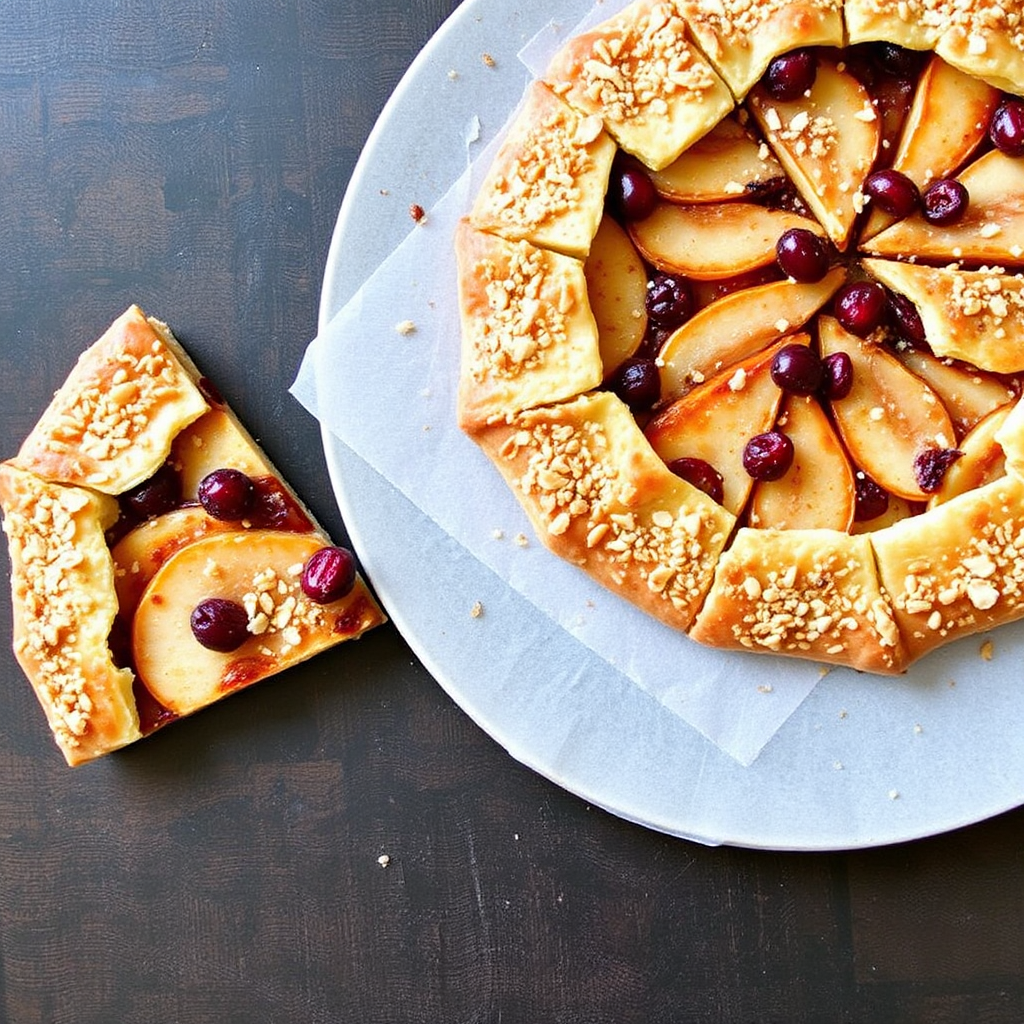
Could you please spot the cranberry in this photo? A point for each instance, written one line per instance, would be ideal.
(219, 624)
(906, 320)
(790, 75)
(329, 575)
(226, 494)
(631, 192)
(836, 376)
(945, 201)
(930, 467)
(768, 456)
(802, 255)
(871, 501)
(797, 369)
(860, 307)
(702, 475)
(1006, 129)
(893, 192)
(637, 383)
(896, 60)
(153, 497)
(669, 301)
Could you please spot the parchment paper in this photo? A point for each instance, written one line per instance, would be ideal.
(382, 378)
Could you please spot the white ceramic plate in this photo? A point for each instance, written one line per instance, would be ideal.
(860, 763)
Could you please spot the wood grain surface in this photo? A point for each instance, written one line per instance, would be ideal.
(192, 156)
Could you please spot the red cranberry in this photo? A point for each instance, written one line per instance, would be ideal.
(669, 301)
(227, 494)
(906, 320)
(153, 497)
(945, 201)
(893, 192)
(860, 307)
(836, 376)
(768, 456)
(871, 501)
(930, 467)
(637, 383)
(631, 192)
(219, 624)
(329, 575)
(802, 255)
(1006, 129)
(797, 369)
(702, 475)
(790, 75)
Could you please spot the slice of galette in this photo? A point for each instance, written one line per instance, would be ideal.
(792, 424)
(159, 561)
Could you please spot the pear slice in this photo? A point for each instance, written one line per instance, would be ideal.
(973, 315)
(817, 492)
(947, 122)
(715, 421)
(889, 417)
(616, 287)
(827, 140)
(727, 163)
(185, 676)
(990, 232)
(713, 240)
(737, 326)
(969, 395)
(983, 460)
(140, 553)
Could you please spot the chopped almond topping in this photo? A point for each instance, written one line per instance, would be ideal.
(520, 326)
(636, 73)
(570, 474)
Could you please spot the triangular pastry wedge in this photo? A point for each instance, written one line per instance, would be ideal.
(599, 496)
(528, 334)
(741, 37)
(974, 315)
(806, 593)
(102, 518)
(957, 570)
(641, 73)
(548, 180)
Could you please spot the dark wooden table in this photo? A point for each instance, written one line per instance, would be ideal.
(191, 157)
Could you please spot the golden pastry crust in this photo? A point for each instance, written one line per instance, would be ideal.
(974, 315)
(62, 581)
(131, 405)
(741, 37)
(643, 76)
(806, 593)
(528, 335)
(958, 569)
(985, 38)
(598, 496)
(548, 180)
(111, 424)
(599, 492)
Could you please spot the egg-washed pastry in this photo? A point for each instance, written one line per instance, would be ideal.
(792, 423)
(159, 561)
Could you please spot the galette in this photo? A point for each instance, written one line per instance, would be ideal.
(742, 305)
(159, 561)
